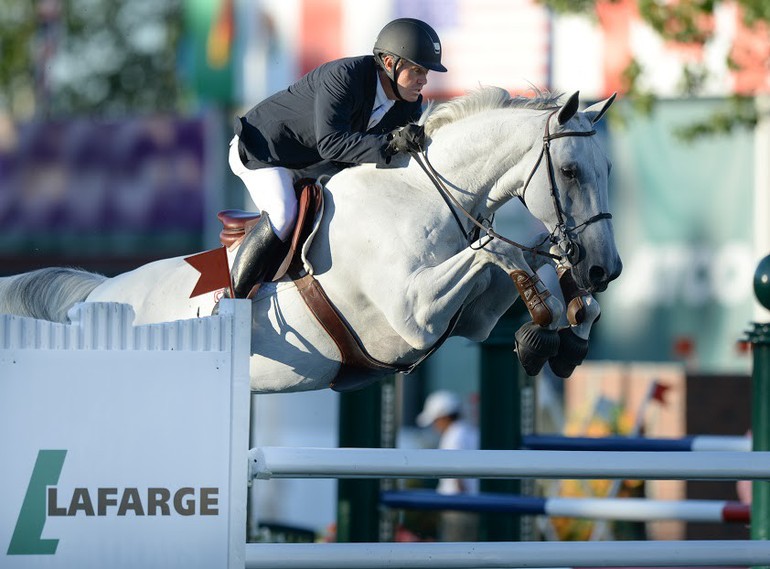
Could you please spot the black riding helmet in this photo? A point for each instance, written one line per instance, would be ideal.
(410, 39)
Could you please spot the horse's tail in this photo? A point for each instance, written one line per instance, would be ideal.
(46, 294)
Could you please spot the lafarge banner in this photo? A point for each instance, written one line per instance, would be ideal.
(119, 457)
(683, 222)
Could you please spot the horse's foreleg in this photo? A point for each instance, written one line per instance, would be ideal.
(435, 294)
(533, 260)
(535, 296)
(538, 341)
(582, 311)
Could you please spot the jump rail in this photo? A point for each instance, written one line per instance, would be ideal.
(692, 443)
(282, 462)
(506, 554)
(626, 509)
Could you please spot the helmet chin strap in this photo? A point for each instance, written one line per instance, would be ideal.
(393, 76)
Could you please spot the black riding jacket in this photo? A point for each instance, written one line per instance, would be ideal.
(322, 117)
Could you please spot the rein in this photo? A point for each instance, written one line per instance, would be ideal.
(433, 176)
(566, 243)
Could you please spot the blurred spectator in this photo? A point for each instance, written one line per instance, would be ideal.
(443, 411)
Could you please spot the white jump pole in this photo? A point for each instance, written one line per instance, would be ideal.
(282, 462)
(506, 554)
(711, 443)
(642, 509)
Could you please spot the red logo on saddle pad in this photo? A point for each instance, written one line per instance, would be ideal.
(214, 270)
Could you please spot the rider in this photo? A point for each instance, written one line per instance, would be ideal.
(345, 112)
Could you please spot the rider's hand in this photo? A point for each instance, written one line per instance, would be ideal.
(410, 138)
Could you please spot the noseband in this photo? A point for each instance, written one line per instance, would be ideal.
(561, 235)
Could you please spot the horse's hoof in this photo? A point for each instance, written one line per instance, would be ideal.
(535, 345)
(572, 351)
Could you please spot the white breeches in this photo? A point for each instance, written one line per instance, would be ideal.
(271, 190)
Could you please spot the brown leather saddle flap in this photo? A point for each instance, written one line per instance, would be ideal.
(236, 223)
(309, 203)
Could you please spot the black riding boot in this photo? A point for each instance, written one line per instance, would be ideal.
(259, 256)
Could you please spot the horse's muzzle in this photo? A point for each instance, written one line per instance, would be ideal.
(599, 277)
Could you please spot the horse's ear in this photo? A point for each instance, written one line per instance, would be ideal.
(569, 108)
(596, 111)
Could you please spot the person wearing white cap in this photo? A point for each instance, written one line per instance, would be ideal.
(443, 411)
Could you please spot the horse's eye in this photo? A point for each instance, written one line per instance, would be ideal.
(569, 172)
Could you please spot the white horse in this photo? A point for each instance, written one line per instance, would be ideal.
(396, 259)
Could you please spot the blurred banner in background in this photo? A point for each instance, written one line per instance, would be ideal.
(208, 48)
(112, 194)
(682, 218)
(83, 188)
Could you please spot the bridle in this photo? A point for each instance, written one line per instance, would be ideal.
(562, 235)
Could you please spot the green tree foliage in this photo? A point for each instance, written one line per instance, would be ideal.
(17, 31)
(94, 57)
(681, 21)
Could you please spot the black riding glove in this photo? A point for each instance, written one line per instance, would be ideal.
(410, 138)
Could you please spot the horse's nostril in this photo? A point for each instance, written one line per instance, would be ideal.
(597, 275)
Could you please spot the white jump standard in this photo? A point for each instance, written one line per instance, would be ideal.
(124, 446)
(137, 456)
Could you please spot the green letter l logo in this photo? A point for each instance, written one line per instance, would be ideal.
(26, 538)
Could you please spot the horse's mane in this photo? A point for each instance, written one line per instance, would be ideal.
(479, 100)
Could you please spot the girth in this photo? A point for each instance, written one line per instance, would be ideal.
(358, 369)
(354, 359)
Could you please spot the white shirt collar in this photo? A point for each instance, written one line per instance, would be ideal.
(381, 98)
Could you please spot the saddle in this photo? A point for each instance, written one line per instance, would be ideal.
(236, 223)
(358, 368)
